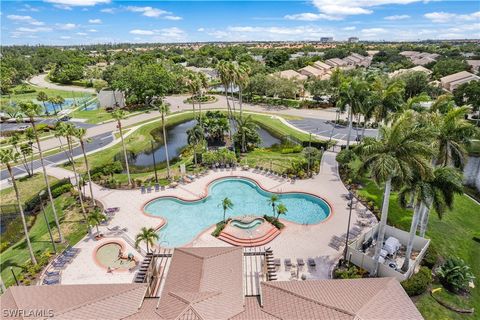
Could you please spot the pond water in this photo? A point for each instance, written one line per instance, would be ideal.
(177, 140)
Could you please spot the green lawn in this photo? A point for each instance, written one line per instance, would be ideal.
(451, 236)
(33, 95)
(92, 116)
(28, 187)
(72, 226)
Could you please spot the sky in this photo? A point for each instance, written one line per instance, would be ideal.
(76, 22)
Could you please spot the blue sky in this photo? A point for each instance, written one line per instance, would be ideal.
(59, 22)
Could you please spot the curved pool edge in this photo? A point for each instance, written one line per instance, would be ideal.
(206, 194)
(122, 245)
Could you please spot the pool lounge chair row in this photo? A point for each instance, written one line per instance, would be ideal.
(53, 276)
(300, 263)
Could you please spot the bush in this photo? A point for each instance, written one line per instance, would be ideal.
(349, 272)
(219, 228)
(61, 190)
(418, 283)
(430, 258)
(455, 275)
(276, 223)
(345, 156)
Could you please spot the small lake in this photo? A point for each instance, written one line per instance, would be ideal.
(177, 140)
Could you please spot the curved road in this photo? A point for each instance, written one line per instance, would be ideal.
(40, 81)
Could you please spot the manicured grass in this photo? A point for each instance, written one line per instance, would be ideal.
(451, 236)
(33, 95)
(71, 223)
(27, 187)
(92, 116)
(269, 158)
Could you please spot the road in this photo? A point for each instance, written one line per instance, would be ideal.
(40, 81)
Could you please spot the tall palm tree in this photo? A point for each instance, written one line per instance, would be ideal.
(42, 97)
(203, 81)
(241, 76)
(454, 133)
(53, 102)
(60, 132)
(274, 198)
(118, 115)
(193, 84)
(149, 236)
(388, 97)
(403, 149)
(195, 136)
(281, 209)
(226, 204)
(243, 126)
(80, 133)
(352, 95)
(8, 156)
(60, 101)
(14, 140)
(437, 191)
(31, 110)
(164, 110)
(95, 218)
(69, 131)
(225, 78)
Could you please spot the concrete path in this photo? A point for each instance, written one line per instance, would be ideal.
(295, 241)
(40, 81)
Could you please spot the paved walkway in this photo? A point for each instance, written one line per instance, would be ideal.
(295, 241)
(40, 81)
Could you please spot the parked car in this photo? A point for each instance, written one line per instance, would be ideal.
(65, 118)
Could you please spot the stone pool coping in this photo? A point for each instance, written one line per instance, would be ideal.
(107, 241)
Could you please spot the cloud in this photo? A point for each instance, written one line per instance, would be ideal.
(349, 28)
(443, 17)
(272, 33)
(310, 17)
(343, 8)
(65, 37)
(108, 10)
(153, 12)
(92, 30)
(397, 17)
(81, 33)
(66, 26)
(142, 32)
(162, 35)
(373, 33)
(37, 29)
(63, 7)
(95, 21)
(201, 29)
(79, 3)
(174, 18)
(27, 7)
(25, 19)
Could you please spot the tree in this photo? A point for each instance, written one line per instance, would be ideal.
(312, 156)
(415, 83)
(8, 156)
(387, 97)
(80, 134)
(43, 97)
(31, 110)
(402, 149)
(281, 209)
(443, 104)
(149, 236)
(454, 133)
(164, 109)
(95, 218)
(469, 94)
(193, 84)
(274, 198)
(53, 102)
(59, 101)
(66, 73)
(449, 66)
(195, 136)
(118, 115)
(225, 79)
(247, 135)
(275, 58)
(226, 205)
(24, 151)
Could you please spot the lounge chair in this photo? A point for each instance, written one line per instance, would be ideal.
(143, 189)
(59, 263)
(277, 262)
(51, 281)
(157, 187)
(334, 245)
(288, 263)
(300, 262)
(311, 262)
(149, 189)
(54, 273)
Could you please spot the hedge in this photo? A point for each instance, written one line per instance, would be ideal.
(418, 283)
(33, 202)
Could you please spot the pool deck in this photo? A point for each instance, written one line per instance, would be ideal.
(295, 241)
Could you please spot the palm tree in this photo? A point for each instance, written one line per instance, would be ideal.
(388, 97)
(225, 78)
(69, 132)
(30, 110)
(193, 84)
(164, 109)
(118, 115)
(352, 94)
(446, 183)
(53, 102)
(241, 76)
(203, 81)
(8, 156)
(273, 201)
(80, 133)
(195, 135)
(244, 125)
(148, 236)
(454, 133)
(438, 191)
(14, 141)
(60, 101)
(95, 218)
(281, 209)
(403, 149)
(226, 204)
(42, 97)
(60, 132)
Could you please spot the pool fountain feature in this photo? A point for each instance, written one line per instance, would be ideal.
(248, 231)
(112, 255)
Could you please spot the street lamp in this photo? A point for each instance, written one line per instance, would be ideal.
(154, 163)
(350, 197)
(41, 194)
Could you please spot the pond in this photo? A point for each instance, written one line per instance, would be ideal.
(177, 140)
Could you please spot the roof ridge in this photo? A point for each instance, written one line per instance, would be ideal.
(208, 295)
(225, 250)
(189, 307)
(93, 301)
(309, 299)
(382, 289)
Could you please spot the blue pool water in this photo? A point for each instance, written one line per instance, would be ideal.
(185, 220)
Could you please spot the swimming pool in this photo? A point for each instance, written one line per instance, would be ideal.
(185, 219)
(108, 256)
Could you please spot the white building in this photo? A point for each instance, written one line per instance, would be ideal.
(453, 81)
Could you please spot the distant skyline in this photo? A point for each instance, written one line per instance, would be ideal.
(74, 22)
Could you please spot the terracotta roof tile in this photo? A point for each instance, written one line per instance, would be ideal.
(253, 311)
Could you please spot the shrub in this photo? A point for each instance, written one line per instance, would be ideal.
(61, 190)
(276, 223)
(345, 156)
(349, 272)
(430, 258)
(455, 275)
(418, 283)
(218, 229)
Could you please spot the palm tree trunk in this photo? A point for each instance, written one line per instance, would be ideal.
(124, 153)
(411, 238)
(200, 109)
(77, 182)
(22, 215)
(165, 144)
(383, 223)
(47, 183)
(64, 150)
(146, 241)
(424, 220)
(350, 118)
(193, 106)
(229, 110)
(224, 211)
(194, 155)
(82, 144)
(24, 161)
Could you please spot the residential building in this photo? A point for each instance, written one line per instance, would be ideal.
(209, 72)
(353, 39)
(322, 66)
(335, 62)
(451, 82)
(310, 71)
(212, 283)
(414, 69)
(420, 58)
(326, 39)
(291, 74)
(475, 65)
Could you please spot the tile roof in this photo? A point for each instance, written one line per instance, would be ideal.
(312, 70)
(291, 74)
(112, 301)
(203, 283)
(457, 76)
(335, 62)
(321, 65)
(253, 311)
